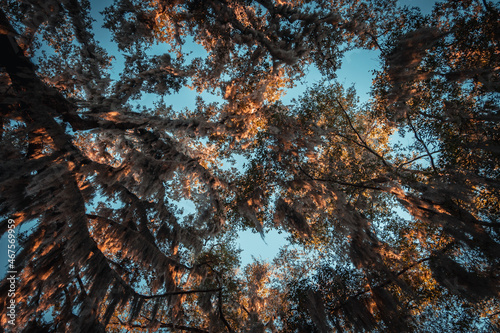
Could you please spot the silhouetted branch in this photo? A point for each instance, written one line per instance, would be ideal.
(359, 185)
(417, 158)
(423, 144)
(383, 284)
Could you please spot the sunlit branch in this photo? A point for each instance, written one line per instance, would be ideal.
(363, 142)
(417, 158)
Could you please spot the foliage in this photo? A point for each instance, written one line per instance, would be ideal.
(383, 237)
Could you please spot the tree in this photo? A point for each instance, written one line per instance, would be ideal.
(453, 238)
(101, 180)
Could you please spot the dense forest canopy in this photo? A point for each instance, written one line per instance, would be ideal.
(383, 237)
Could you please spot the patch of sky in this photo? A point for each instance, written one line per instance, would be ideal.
(405, 143)
(112, 203)
(67, 126)
(184, 99)
(48, 315)
(185, 207)
(236, 161)
(425, 6)
(397, 216)
(104, 37)
(253, 246)
(22, 231)
(356, 70)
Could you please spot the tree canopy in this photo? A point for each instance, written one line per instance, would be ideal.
(392, 206)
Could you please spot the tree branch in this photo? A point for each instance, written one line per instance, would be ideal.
(364, 144)
(423, 144)
(383, 284)
(182, 292)
(359, 185)
(417, 158)
(221, 314)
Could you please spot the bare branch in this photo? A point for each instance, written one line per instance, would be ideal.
(419, 139)
(359, 185)
(383, 284)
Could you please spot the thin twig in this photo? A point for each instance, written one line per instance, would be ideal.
(221, 314)
(364, 144)
(182, 292)
(359, 185)
(417, 158)
(419, 139)
(404, 270)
